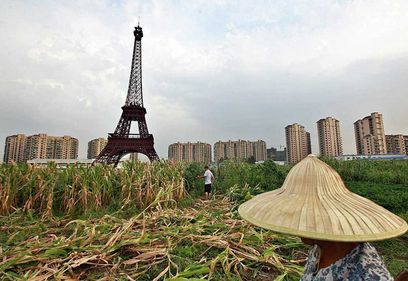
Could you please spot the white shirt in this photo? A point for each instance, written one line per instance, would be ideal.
(208, 175)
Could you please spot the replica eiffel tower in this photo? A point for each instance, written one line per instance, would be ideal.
(121, 142)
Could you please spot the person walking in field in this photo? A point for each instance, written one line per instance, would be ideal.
(315, 205)
(208, 179)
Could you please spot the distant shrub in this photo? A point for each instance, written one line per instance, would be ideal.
(393, 197)
(378, 171)
(191, 171)
(266, 175)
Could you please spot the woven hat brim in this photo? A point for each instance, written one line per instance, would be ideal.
(345, 217)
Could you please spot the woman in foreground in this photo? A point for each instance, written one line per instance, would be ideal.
(314, 204)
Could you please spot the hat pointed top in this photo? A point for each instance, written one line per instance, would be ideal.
(314, 202)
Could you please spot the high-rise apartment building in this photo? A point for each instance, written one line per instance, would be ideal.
(328, 131)
(298, 144)
(406, 144)
(240, 150)
(95, 147)
(369, 133)
(14, 148)
(65, 147)
(190, 152)
(36, 147)
(395, 144)
(259, 149)
(20, 148)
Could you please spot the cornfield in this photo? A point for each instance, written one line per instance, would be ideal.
(87, 223)
(206, 241)
(82, 190)
(139, 223)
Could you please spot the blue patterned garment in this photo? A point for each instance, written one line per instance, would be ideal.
(362, 263)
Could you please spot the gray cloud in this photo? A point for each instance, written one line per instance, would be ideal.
(212, 70)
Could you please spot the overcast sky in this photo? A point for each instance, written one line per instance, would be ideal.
(212, 70)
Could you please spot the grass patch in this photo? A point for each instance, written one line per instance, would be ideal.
(394, 253)
(393, 197)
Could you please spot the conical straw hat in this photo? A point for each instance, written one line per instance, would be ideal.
(314, 203)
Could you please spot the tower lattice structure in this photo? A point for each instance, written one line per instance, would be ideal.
(122, 142)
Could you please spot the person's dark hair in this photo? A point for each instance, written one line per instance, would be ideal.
(206, 167)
